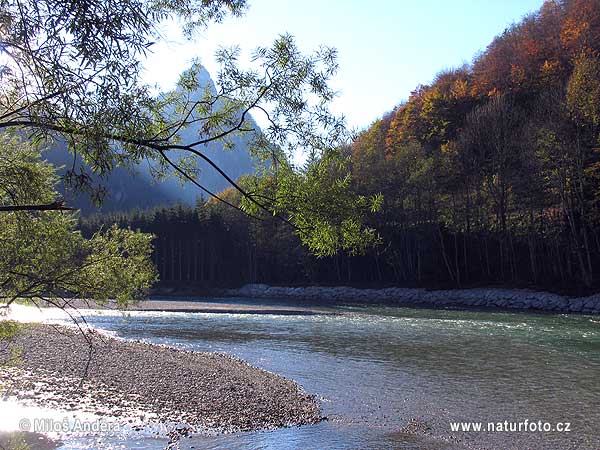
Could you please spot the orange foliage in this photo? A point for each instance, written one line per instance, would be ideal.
(460, 89)
(539, 49)
(517, 74)
(531, 56)
(550, 71)
(433, 114)
(572, 31)
(531, 47)
(581, 26)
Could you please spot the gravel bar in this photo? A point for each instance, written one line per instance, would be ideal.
(209, 392)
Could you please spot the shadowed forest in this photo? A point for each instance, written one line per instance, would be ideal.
(489, 175)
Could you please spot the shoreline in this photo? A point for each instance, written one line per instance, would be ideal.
(480, 298)
(190, 305)
(128, 380)
(318, 300)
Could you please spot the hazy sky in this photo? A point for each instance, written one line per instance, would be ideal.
(386, 48)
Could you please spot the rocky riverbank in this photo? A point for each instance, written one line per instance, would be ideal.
(209, 392)
(468, 298)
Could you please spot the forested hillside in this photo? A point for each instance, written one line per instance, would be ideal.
(495, 165)
(490, 175)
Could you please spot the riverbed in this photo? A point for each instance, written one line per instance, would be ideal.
(392, 377)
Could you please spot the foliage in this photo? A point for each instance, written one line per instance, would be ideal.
(71, 72)
(43, 257)
(502, 155)
(10, 355)
(489, 174)
(325, 213)
(583, 89)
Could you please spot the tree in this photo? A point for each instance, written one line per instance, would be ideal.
(368, 155)
(562, 159)
(583, 89)
(491, 134)
(316, 199)
(44, 259)
(72, 73)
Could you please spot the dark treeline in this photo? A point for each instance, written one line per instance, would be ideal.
(490, 175)
(213, 245)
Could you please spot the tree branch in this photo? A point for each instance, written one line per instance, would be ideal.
(55, 206)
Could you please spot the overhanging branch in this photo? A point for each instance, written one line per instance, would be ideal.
(55, 206)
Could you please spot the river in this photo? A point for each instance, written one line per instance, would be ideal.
(377, 369)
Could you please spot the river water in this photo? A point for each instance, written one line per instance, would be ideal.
(378, 369)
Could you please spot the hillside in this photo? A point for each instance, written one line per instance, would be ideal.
(490, 173)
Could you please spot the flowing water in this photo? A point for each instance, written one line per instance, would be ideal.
(377, 369)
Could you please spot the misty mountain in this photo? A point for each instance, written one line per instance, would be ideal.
(128, 189)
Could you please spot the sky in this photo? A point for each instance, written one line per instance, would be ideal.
(386, 48)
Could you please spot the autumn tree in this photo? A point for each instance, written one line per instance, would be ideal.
(368, 154)
(583, 89)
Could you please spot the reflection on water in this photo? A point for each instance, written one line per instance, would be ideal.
(376, 369)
